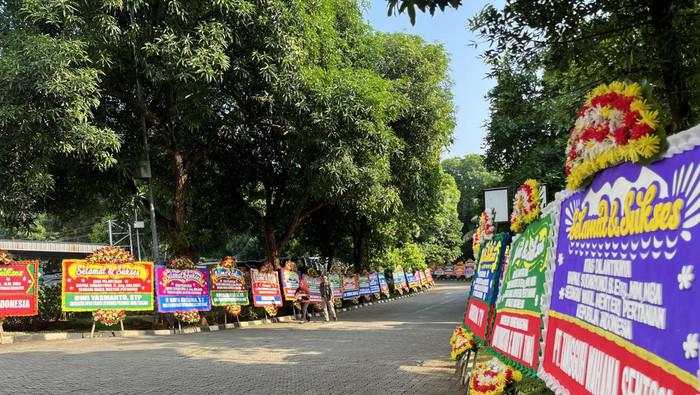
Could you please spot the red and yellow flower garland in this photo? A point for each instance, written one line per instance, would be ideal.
(526, 205)
(614, 125)
(492, 378)
(461, 342)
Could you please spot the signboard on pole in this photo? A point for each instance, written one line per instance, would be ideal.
(496, 201)
(182, 290)
(266, 288)
(19, 290)
(290, 284)
(90, 286)
(228, 287)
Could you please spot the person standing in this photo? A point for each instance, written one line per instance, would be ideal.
(327, 296)
(302, 295)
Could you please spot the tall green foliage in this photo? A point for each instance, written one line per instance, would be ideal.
(49, 91)
(471, 177)
(258, 117)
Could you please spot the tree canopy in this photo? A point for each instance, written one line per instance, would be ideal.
(270, 124)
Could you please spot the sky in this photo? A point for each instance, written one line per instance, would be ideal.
(466, 68)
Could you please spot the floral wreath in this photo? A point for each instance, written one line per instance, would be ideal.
(185, 263)
(229, 262)
(492, 377)
(182, 263)
(188, 317)
(614, 125)
(271, 310)
(106, 256)
(461, 341)
(6, 258)
(526, 205)
(108, 317)
(483, 232)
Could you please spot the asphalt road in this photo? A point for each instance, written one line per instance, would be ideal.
(398, 347)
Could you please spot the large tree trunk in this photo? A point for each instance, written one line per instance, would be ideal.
(272, 252)
(359, 245)
(667, 42)
(178, 238)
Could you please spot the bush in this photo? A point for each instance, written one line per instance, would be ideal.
(50, 303)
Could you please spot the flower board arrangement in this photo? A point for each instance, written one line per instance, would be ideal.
(104, 256)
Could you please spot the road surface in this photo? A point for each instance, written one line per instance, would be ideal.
(397, 347)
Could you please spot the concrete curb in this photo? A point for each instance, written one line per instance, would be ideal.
(134, 333)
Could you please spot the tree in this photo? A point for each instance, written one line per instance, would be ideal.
(263, 113)
(409, 6)
(471, 177)
(600, 41)
(440, 237)
(546, 55)
(527, 129)
(49, 91)
(312, 129)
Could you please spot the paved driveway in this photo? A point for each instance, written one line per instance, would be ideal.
(398, 347)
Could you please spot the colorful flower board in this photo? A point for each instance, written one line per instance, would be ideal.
(181, 290)
(89, 286)
(266, 288)
(364, 284)
(624, 302)
(314, 288)
(428, 276)
(411, 280)
(399, 278)
(383, 285)
(19, 290)
(228, 286)
(479, 313)
(374, 283)
(459, 270)
(522, 298)
(290, 284)
(448, 270)
(351, 287)
(336, 285)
